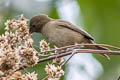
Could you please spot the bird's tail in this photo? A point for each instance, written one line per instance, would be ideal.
(103, 48)
(96, 47)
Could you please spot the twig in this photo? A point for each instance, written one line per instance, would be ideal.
(61, 48)
(81, 51)
(77, 51)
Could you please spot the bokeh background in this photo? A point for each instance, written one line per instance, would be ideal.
(100, 18)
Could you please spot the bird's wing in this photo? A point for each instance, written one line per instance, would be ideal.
(75, 28)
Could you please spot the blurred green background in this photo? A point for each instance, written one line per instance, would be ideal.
(101, 18)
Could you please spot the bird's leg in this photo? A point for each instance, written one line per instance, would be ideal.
(62, 51)
(59, 52)
(73, 52)
(73, 49)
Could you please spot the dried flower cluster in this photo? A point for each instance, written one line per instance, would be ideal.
(54, 72)
(58, 60)
(19, 76)
(16, 50)
(44, 46)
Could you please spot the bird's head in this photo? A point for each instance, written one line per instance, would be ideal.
(37, 22)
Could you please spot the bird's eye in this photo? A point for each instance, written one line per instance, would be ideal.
(33, 26)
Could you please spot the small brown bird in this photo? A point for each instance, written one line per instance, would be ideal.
(61, 33)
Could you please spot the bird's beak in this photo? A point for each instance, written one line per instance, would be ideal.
(30, 31)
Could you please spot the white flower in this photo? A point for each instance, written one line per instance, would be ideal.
(31, 76)
(53, 71)
(44, 46)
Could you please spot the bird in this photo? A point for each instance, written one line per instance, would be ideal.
(62, 33)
